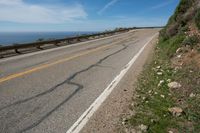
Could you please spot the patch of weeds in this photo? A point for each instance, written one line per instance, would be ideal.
(154, 100)
(189, 76)
(163, 34)
(154, 97)
(184, 29)
(170, 46)
(191, 40)
(197, 19)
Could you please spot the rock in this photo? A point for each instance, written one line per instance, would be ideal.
(158, 67)
(160, 83)
(124, 121)
(174, 85)
(178, 50)
(159, 73)
(176, 111)
(143, 127)
(170, 132)
(163, 96)
(169, 80)
(192, 95)
(143, 98)
(155, 93)
(179, 56)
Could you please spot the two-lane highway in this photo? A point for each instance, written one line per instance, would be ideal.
(48, 91)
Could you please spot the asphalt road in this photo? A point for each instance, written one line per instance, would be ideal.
(46, 92)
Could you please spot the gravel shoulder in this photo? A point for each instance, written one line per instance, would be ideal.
(108, 117)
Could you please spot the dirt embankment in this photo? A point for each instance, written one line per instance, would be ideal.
(168, 91)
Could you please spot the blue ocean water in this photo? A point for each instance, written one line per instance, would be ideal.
(9, 38)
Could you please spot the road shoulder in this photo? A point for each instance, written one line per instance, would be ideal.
(107, 117)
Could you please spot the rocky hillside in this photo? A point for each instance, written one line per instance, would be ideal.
(168, 93)
(186, 17)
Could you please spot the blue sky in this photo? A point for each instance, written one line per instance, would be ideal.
(82, 15)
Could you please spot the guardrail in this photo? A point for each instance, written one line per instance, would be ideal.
(57, 41)
(6, 51)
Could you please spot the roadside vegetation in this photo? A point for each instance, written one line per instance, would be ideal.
(197, 19)
(168, 92)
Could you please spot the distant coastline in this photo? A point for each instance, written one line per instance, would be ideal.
(10, 38)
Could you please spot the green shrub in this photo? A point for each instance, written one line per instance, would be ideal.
(169, 31)
(184, 29)
(163, 34)
(191, 40)
(172, 29)
(197, 19)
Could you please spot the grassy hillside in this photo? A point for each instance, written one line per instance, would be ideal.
(168, 93)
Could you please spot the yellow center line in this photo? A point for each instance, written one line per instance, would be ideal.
(13, 76)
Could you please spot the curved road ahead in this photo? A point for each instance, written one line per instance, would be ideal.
(47, 91)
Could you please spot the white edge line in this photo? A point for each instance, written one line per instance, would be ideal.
(62, 47)
(84, 118)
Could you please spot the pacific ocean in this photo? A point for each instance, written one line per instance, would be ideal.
(10, 38)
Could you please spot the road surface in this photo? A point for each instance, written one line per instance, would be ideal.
(48, 91)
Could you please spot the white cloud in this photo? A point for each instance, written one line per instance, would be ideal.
(164, 4)
(111, 3)
(21, 12)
